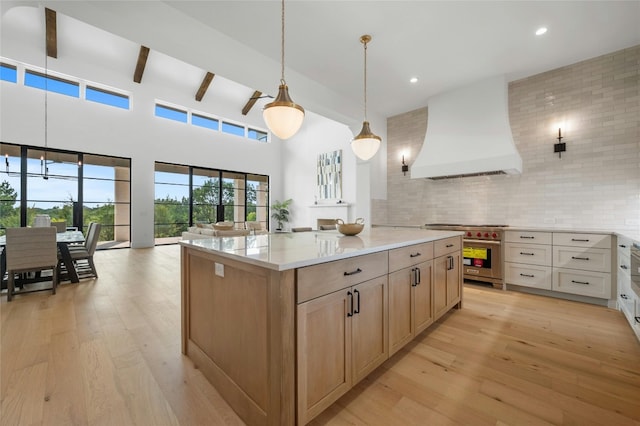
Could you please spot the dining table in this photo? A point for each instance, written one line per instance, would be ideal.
(63, 240)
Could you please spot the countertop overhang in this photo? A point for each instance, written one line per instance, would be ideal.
(284, 251)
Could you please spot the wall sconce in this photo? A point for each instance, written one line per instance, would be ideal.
(405, 167)
(560, 147)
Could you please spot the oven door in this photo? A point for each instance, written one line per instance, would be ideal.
(482, 259)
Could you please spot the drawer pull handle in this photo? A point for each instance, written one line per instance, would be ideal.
(637, 319)
(579, 258)
(415, 255)
(357, 310)
(622, 246)
(527, 275)
(528, 254)
(580, 240)
(350, 295)
(624, 296)
(357, 271)
(526, 237)
(580, 282)
(624, 267)
(449, 245)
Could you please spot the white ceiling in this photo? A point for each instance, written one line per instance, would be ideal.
(446, 44)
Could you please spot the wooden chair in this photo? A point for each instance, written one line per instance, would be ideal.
(82, 255)
(29, 250)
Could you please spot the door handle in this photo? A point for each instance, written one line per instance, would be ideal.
(418, 278)
(450, 265)
(357, 293)
(413, 277)
(350, 295)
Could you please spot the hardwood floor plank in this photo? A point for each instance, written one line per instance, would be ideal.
(24, 399)
(64, 390)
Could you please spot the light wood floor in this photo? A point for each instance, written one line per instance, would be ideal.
(107, 351)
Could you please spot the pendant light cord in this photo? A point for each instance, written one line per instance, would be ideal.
(282, 48)
(365, 81)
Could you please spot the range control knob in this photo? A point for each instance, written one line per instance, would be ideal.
(479, 234)
(486, 235)
(494, 235)
(469, 234)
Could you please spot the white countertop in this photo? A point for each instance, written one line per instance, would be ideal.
(282, 251)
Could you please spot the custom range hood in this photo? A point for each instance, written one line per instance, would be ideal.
(468, 134)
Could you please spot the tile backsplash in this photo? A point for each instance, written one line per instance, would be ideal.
(595, 185)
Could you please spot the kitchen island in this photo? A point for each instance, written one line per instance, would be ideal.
(284, 324)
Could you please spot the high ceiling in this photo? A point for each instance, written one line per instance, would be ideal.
(445, 44)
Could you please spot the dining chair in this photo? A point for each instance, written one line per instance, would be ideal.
(82, 255)
(29, 250)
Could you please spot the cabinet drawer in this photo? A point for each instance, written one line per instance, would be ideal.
(533, 237)
(584, 259)
(582, 240)
(626, 297)
(406, 256)
(318, 280)
(594, 284)
(624, 245)
(446, 246)
(532, 254)
(528, 275)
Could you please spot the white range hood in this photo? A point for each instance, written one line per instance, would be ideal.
(468, 134)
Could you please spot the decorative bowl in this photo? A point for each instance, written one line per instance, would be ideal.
(350, 228)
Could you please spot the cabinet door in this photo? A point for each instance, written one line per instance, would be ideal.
(454, 287)
(422, 307)
(201, 299)
(369, 338)
(400, 330)
(440, 272)
(324, 352)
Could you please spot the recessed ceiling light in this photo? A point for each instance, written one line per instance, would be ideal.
(541, 30)
(413, 80)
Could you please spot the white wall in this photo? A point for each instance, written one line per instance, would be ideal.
(299, 154)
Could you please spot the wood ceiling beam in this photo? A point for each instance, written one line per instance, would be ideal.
(252, 100)
(206, 81)
(51, 32)
(142, 62)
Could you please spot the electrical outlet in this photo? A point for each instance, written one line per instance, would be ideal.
(219, 268)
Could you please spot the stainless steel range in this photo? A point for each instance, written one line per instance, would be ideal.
(482, 251)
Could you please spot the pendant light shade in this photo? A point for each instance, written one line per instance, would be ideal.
(366, 144)
(283, 116)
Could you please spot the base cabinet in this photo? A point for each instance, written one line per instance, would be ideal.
(447, 289)
(341, 338)
(410, 304)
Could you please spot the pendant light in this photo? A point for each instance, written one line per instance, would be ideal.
(366, 144)
(283, 116)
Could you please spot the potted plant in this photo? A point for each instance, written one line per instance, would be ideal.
(280, 212)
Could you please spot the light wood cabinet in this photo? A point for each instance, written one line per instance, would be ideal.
(410, 303)
(341, 338)
(447, 278)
